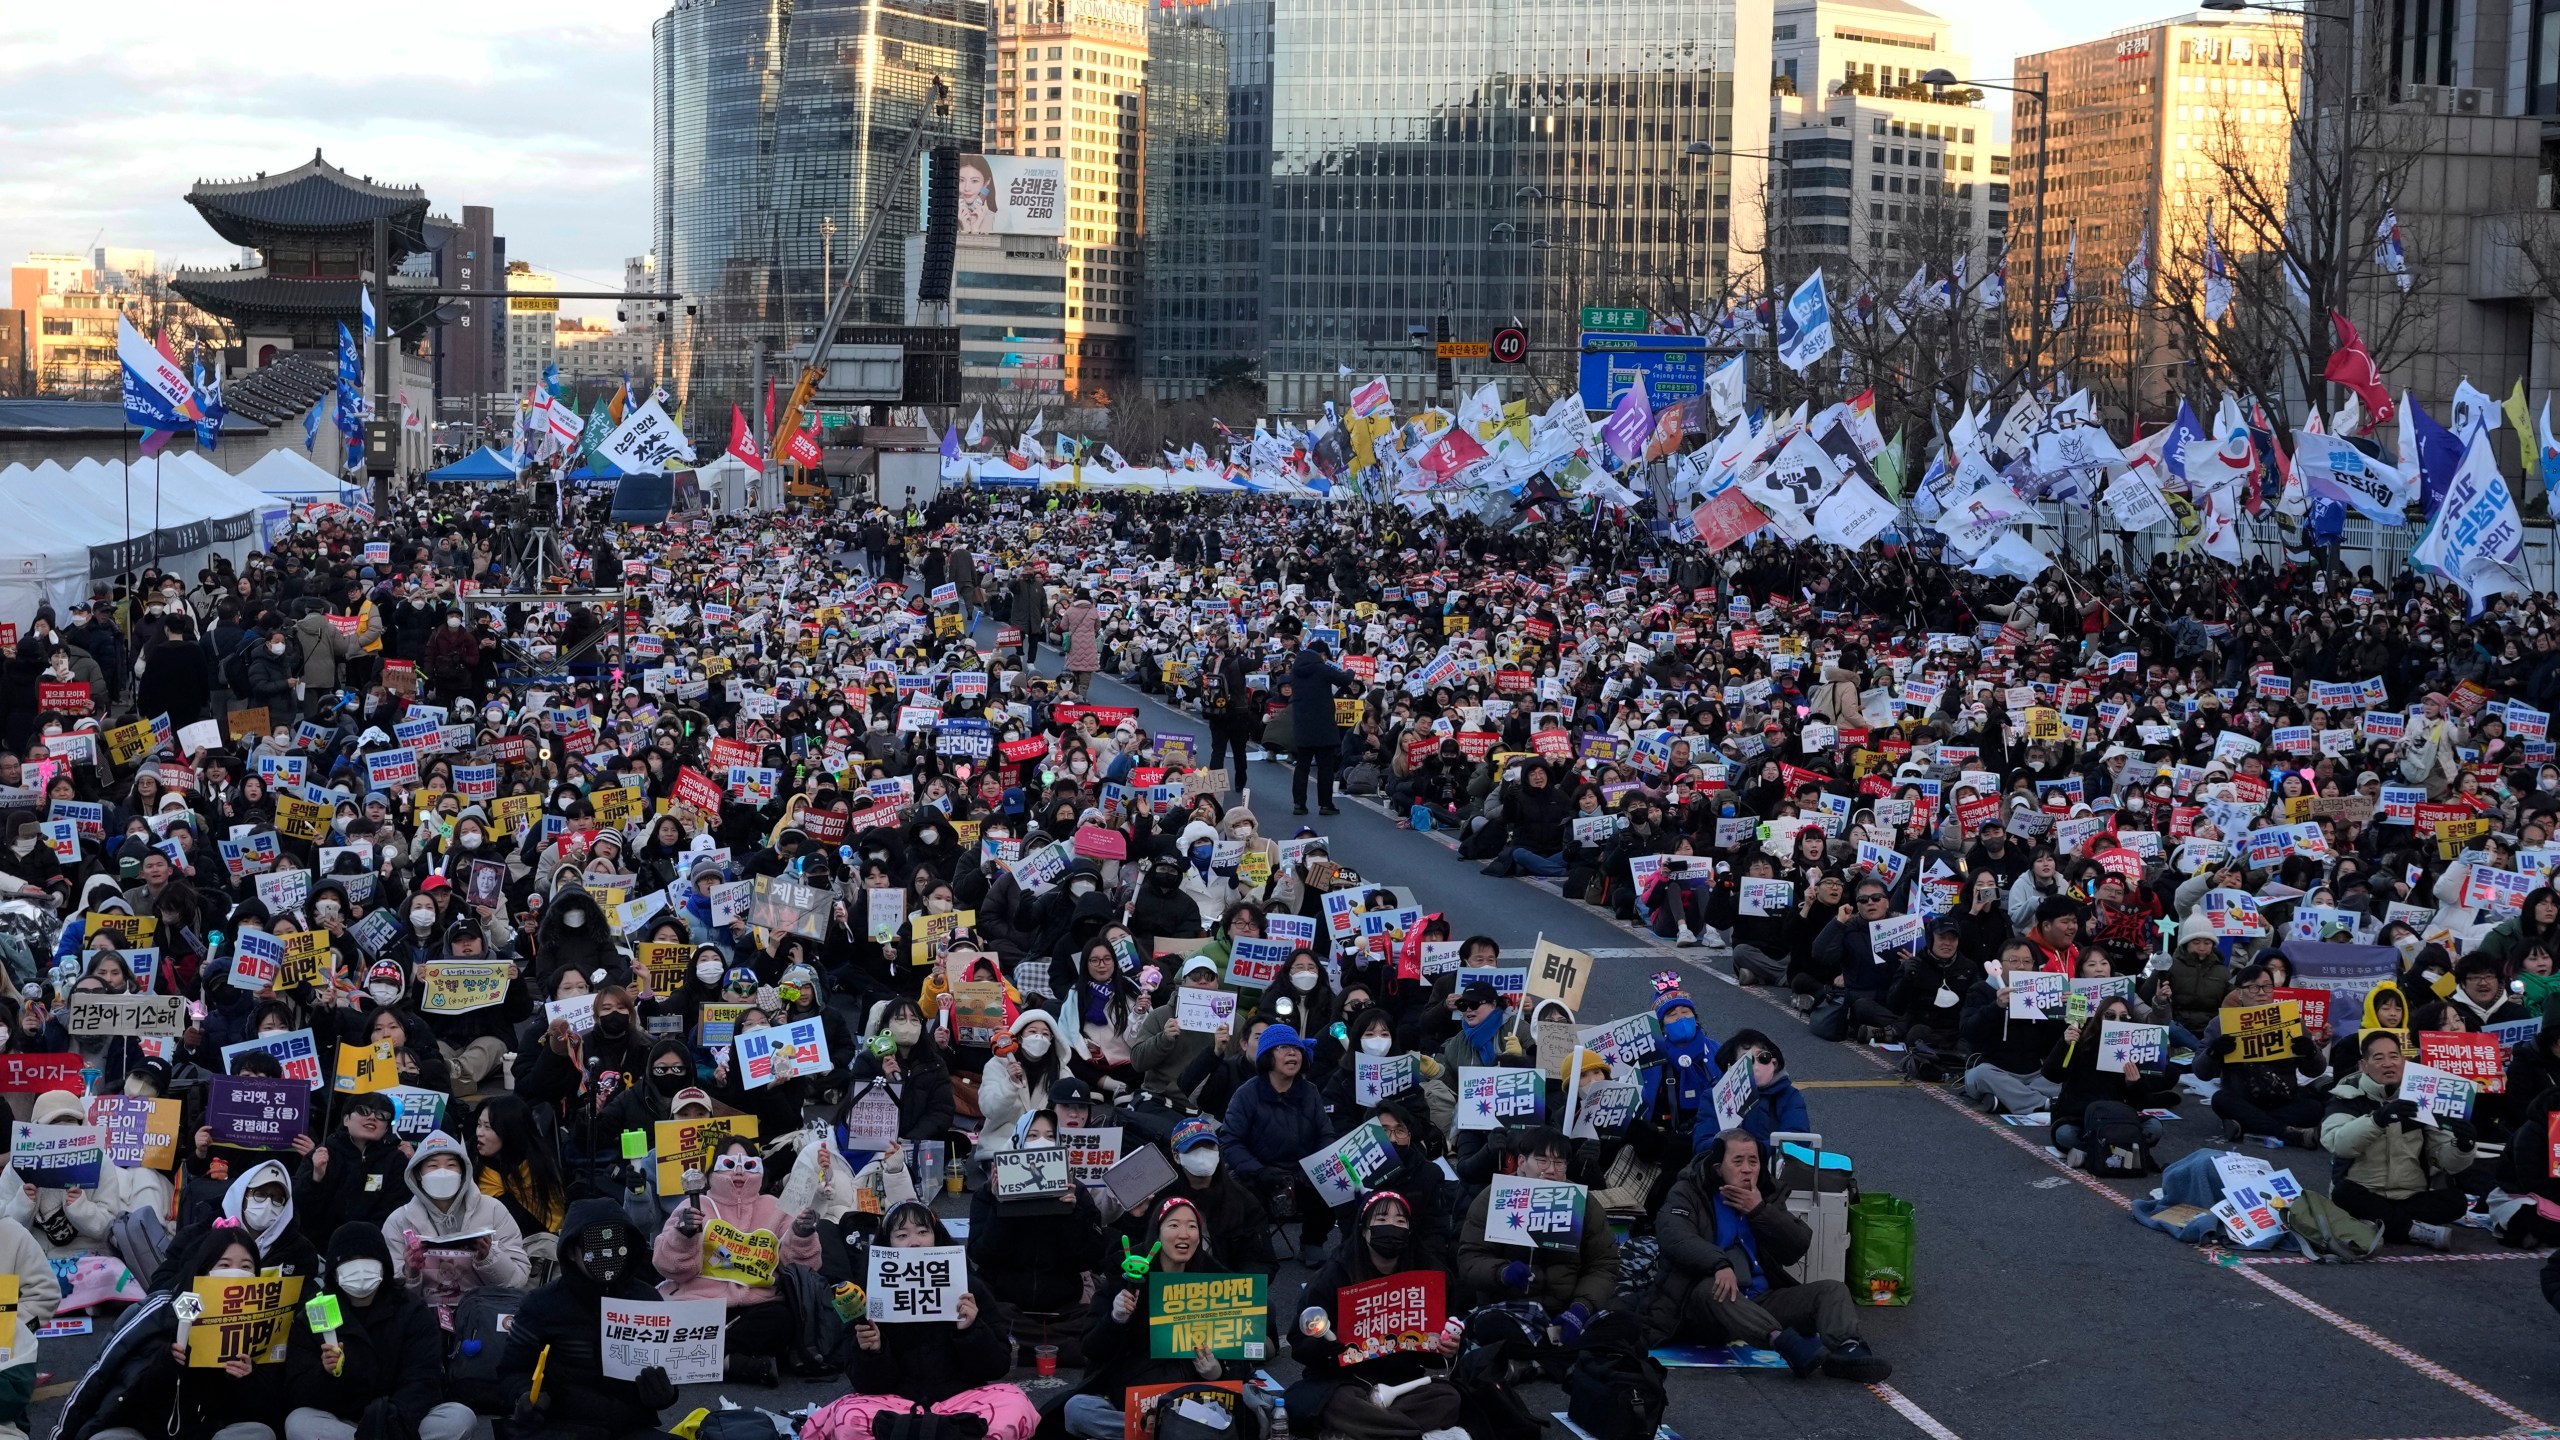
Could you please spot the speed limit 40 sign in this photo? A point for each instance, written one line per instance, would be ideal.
(1510, 345)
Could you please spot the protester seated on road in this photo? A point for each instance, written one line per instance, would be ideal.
(450, 1239)
(1037, 1258)
(2277, 1098)
(947, 1367)
(1571, 1284)
(2073, 1064)
(1928, 996)
(555, 1335)
(2398, 1168)
(1101, 1012)
(260, 1202)
(759, 1330)
(1760, 942)
(1400, 1394)
(141, 1387)
(1275, 1120)
(383, 1371)
(2010, 1074)
(2385, 1008)
(1774, 1105)
(1238, 1229)
(1118, 1353)
(1726, 1242)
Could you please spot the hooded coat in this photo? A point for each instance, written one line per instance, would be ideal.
(442, 1273)
(928, 1362)
(392, 1372)
(281, 1246)
(564, 1322)
(738, 1197)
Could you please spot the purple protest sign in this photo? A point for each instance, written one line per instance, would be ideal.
(256, 1113)
(1630, 424)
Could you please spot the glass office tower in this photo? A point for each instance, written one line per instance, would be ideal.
(1402, 138)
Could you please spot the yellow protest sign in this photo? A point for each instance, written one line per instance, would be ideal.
(127, 744)
(306, 959)
(686, 1145)
(363, 1069)
(2452, 835)
(2265, 1032)
(666, 965)
(739, 1256)
(9, 1311)
(300, 819)
(131, 932)
(1346, 713)
(616, 805)
(1560, 972)
(929, 933)
(245, 1319)
(457, 987)
(2044, 723)
(514, 813)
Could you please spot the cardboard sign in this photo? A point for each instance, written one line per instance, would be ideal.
(1765, 897)
(366, 1069)
(1560, 972)
(2121, 1044)
(58, 1157)
(1142, 1407)
(1223, 1312)
(1490, 1097)
(458, 987)
(688, 1339)
(1029, 1174)
(684, 1145)
(739, 1256)
(2265, 1032)
(1400, 1312)
(244, 1319)
(911, 1284)
(1204, 1011)
(1540, 1214)
(1253, 963)
(94, 1015)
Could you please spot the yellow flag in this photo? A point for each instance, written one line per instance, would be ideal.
(2525, 438)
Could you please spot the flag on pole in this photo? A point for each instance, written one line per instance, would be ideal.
(2352, 365)
(2217, 275)
(2137, 272)
(2070, 266)
(2388, 252)
(977, 429)
(2517, 415)
(156, 393)
(1804, 327)
(2547, 452)
(742, 439)
(364, 302)
(1993, 292)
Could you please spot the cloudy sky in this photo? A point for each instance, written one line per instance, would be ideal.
(539, 108)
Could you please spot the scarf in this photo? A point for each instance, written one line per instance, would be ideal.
(1485, 1036)
(1094, 1002)
(1732, 1229)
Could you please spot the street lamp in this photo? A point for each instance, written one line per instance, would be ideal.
(1609, 224)
(1941, 78)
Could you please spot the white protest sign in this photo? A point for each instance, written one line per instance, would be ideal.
(911, 1284)
(685, 1338)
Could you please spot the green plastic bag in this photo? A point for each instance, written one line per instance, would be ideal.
(1880, 1240)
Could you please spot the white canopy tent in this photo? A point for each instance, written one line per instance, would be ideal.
(289, 476)
(269, 514)
(44, 545)
(730, 485)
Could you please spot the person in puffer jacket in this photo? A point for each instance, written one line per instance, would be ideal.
(560, 1330)
(428, 1251)
(759, 1331)
(68, 1223)
(382, 1372)
(2398, 1168)
(1275, 1120)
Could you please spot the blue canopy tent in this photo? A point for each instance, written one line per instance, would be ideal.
(598, 470)
(486, 465)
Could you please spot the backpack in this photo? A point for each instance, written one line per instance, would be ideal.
(480, 1326)
(820, 1333)
(2111, 1141)
(1613, 1389)
(1829, 1019)
(1489, 1403)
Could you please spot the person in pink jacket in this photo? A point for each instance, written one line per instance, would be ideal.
(759, 1330)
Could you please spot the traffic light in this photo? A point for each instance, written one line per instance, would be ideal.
(941, 224)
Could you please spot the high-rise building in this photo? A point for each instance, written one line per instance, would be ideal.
(1235, 302)
(122, 267)
(1068, 81)
(775, 128)
(533, 324)
(2148, 127)
(1883, 171)
(1009, 300)
(1192, 334)
(468, 346)
(1499, 160)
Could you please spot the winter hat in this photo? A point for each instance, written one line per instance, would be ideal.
(2195, 927)
(1273, 1039)
(59, 1107)
(1669, 995)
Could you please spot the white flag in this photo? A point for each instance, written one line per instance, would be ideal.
(1728, 390)
(1804, 327)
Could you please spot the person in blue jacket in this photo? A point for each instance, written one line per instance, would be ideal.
(1275, 1120)
(1775, 1106)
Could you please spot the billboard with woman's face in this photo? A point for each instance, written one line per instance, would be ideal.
(1012, 195)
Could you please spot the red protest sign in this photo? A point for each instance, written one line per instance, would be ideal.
(1094, 842)
(1477, 744)
(1395, 1312)
(2315, 1010)
(1030, 747)
(824, 826)
(698, 790)
(27, 1074)
(69, 697)
(2477, 1058)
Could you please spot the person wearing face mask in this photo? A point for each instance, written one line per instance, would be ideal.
(357, 1173)
(426, 1251)
(1239, 1228)
(914, 1066)
(950, 1368)
(1300, 997)
(1016, 1083)
(382, 1372)
(69, 1222)
(576, 932)
(1162, 909)
(142, 1385)
(1039, 1259)
(260, 1204)
(1163, 1049)
(1340, 1394)
(558, 1330)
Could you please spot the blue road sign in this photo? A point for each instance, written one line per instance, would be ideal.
(1674, 367)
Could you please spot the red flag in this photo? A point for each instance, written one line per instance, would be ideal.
(2352, 365)
(803, 450)
(742, 441)
(768, 404)
(1452, 452)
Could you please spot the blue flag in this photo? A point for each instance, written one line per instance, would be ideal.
(311, 428)
(950, 442)
(2186, 427)
(364, 301)
(2439, 457)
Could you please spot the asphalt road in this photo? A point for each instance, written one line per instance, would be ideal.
(2039, 1307)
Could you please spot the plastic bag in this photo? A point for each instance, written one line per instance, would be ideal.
(1880, 1250)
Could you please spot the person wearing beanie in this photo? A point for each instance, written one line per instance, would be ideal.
(948, 1367)
(2191, 989)
(428, 1251)
(1727, 1240)
(1337, 1396)
(382, 1372)
(555, 1332)
(1117, 1352)
(355, 1173)
(1572, 1284)
(1676, 1090)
